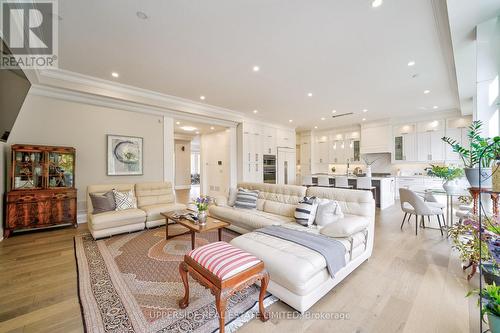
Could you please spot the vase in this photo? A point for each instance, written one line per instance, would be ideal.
(202, 217)
(494, 322)
(451, 186)
(368, 172)
(472, 175)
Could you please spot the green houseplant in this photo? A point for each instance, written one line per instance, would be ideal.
(490, 295)
(448, 174)
(481, 151)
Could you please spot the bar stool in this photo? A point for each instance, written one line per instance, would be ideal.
(365, 183)
(324, 181)
(342, 182)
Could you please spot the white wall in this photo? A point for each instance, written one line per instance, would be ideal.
(215, 147)
(488, 71)
(182, 164)
(48, 121)
(3, 182)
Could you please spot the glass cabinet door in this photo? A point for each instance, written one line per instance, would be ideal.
(61, 170)
(28, 170)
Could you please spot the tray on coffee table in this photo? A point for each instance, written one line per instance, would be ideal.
(193, 228)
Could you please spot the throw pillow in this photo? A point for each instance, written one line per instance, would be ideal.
(124, 200)
(246, 199)
(233, 192)
(328, 212)
(102, 202)
(306, 211)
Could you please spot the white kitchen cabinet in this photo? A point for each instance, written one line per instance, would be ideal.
(251, 152)
(285, 138)
(457, 129)
(430, 147)
(269, 141)
(405, 147)
(285, 165)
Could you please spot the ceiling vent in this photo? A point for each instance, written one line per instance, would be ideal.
(342, 115)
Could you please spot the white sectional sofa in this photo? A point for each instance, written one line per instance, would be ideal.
(299, 276)
(152, 199)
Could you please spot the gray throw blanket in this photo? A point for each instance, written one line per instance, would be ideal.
(331, 249)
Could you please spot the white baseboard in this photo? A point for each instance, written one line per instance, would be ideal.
(182, 187)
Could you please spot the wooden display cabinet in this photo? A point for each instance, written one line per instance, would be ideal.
(42, 188)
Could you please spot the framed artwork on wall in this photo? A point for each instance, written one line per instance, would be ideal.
(124, 155)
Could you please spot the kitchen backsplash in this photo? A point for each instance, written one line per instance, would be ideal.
(382, 164)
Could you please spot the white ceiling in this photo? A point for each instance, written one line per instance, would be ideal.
(349, 55)
(200, 128)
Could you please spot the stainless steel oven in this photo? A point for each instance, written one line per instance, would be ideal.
(269, 169)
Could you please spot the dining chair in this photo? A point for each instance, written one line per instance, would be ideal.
(342, 181)
(413, 204)
(324, 181)
(365, 183)
(307, 181)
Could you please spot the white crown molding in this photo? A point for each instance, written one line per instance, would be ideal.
(121, 104)
(84, 83)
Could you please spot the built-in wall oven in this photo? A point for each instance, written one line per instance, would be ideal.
(269, 169)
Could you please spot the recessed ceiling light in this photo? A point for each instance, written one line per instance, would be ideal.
(177, 122)
(142, 15)
(310, 94)
(333, 111)
(315, 127)
(411, 63)
(256, 68)
(188, 128)
(255, 111)
(365, 110)
(290, 121)
(212, 128)
(426, 91)
(435, 107)
(377, 3)
(322, 118)
(202, 98)
(363, 119)
(115, 74)
(197, 132)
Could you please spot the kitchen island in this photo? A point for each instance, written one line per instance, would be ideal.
(384, 187)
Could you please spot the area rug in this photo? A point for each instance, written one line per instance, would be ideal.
(131, 283)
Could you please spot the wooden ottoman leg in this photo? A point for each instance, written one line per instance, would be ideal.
(264, 316)
(183, 270)
(220, 304)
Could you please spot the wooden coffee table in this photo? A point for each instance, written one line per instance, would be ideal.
(193, 228)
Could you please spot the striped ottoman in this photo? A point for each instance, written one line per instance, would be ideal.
(225, 270)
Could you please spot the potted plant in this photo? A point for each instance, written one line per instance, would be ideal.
(201, 204)
(448, 174)
(481, 151)
(490, 295)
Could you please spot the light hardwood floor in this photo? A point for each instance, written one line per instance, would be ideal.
(410, 284)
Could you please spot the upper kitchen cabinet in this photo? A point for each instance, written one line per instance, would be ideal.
(269, 140)
(352, 146)
(430, 147)
(285, 138)
(405, 143)
(376, 138)
(320, 149)
(456, 128)
(336, 149)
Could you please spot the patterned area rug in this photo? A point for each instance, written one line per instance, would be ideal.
(131, 283)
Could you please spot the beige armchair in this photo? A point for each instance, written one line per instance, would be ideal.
(413, 204)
